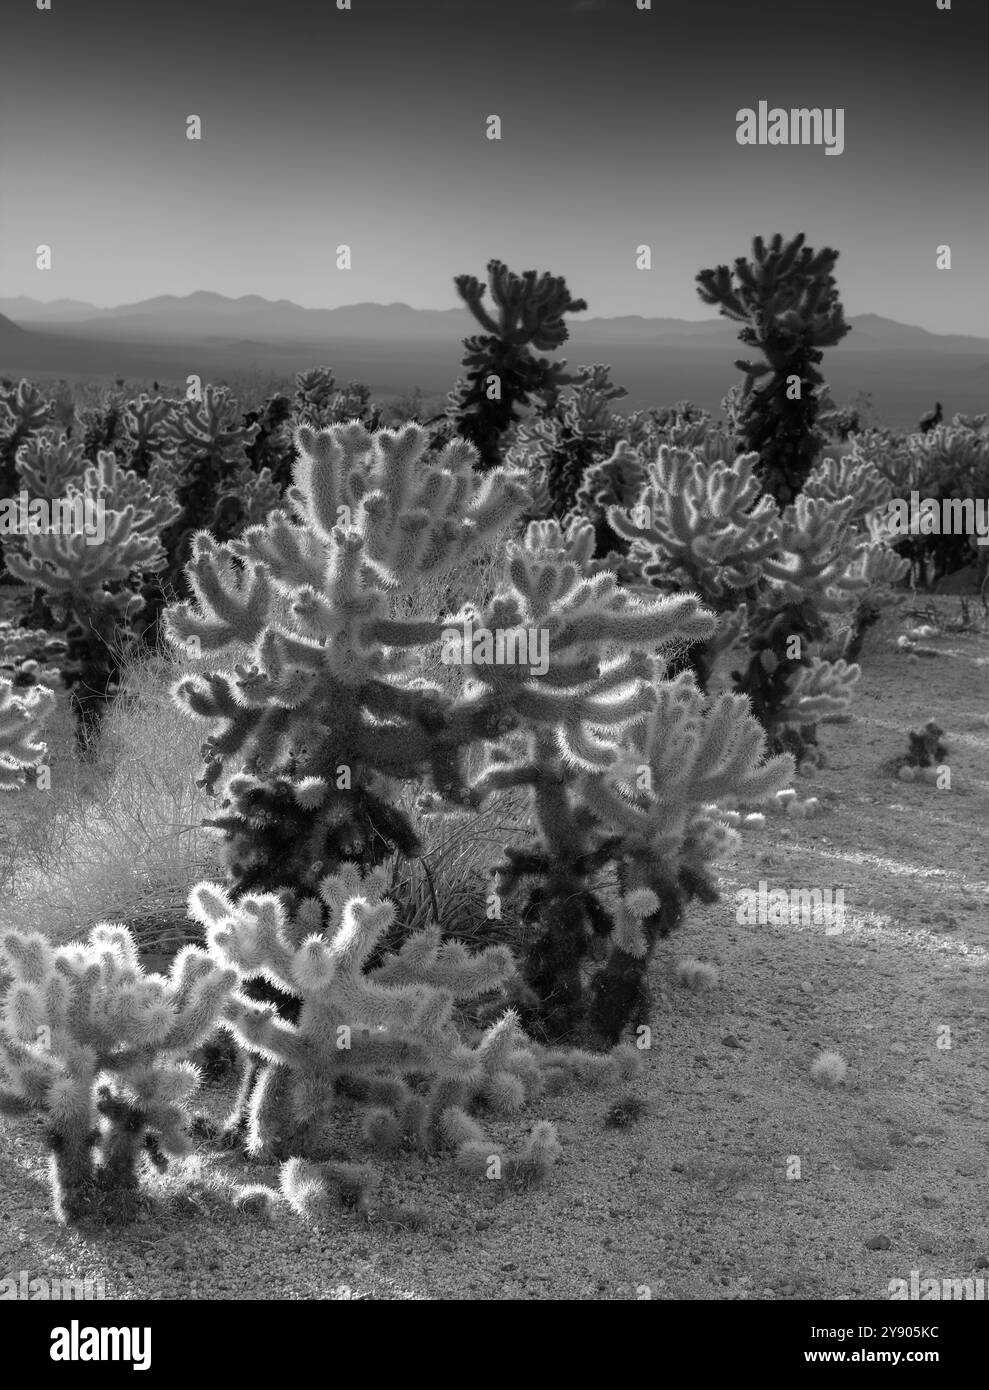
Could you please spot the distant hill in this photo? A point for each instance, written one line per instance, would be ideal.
(393, 347)
(10, 332)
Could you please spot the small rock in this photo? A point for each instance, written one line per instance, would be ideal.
(729, 1040)
(926, 1242)
(878, 1243)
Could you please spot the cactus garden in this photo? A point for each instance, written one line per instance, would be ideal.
(515, 843)
(511, 771)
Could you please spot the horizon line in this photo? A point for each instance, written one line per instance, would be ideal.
(404, 304)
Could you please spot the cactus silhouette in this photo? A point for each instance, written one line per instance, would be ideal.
(786, 298)
(502, 372)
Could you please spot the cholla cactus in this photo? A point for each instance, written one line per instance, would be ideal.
(364, 1030)
(951, 462)
(640, 809)
(701, 524)
(315, 390)
(614, 481)
(271, 448)
(319, 402)
(311, 736)
(850, 476)
(206, 429)
(787, 301)
(83, 574)
(681, 759)
(559, 445)
(96, 1043)
(530, 309)
(209, 444)
(874, 562)
(708, 441)
(580, 715)
(146, 436)
(103, 422)
(92, 581)
(22, 717)
(48, 463)
(810, 579)
(704, 519)
(312, 732)
(23, 412)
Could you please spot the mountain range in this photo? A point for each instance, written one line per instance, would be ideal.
(393, 347)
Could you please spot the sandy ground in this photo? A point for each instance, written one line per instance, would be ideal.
(700, 1198)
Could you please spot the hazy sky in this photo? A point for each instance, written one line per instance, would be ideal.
(368, 127)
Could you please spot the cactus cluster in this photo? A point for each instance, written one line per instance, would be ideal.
(786, 584)
(947, 463)
(365, 1033)
(98, 1045)
(298, 540)
(557, 447)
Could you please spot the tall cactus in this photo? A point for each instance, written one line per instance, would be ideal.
(309, 739)
(503, 374)
(212, 476)
(786, 298)
(582, 717)
(684, 757)
(312, 734)
(813, 576)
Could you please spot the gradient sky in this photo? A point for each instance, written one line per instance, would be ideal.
(367, 127)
